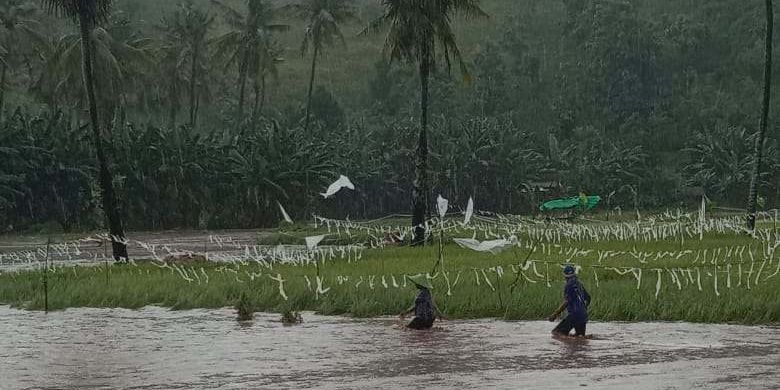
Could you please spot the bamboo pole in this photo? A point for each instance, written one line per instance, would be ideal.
(46, 277)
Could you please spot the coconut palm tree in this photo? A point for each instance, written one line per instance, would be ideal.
(87, 13)
(270, 57)
(18, 30)
(759, 147)
(323, 19)
(3, 73)
(247, 41)
(171, 54)
(120, 58)
(185, 41)
(417, 32)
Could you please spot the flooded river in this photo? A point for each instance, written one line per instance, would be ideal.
(154, 348)
(25, 252)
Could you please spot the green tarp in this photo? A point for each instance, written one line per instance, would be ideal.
(588, 202)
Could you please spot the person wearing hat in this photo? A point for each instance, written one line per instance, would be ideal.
(424, 308)
(575, 301)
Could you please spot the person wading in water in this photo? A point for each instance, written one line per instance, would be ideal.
(424, 308)
(575, 301)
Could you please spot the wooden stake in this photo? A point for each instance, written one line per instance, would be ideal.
(46, 278)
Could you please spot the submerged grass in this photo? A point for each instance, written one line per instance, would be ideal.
(244, 309)
(366, 287)
(290, 317)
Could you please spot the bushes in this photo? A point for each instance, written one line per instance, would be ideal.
(232, 179)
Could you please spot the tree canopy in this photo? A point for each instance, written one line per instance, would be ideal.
(648, 104)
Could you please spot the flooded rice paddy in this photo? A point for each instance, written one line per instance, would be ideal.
(155, 348)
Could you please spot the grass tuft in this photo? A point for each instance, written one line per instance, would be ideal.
(291, 317)
(244, 308)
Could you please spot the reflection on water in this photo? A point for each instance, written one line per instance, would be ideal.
(155, 348)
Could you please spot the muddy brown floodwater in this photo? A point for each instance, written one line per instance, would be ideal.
(155, 348)
(24, 252)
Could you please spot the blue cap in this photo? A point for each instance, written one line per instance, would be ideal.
(569, 270)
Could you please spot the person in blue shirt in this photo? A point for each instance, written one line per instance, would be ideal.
(424, 308)
(576, 301)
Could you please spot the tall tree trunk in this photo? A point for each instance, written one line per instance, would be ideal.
(122, 116)
(420, 185)
(172, 114)
(2, 89)
(193, 82)
(197, 107)
(759, 147)
(249, 55)
(259, 98)
(311, 85)
(173, 100)
(256, 104)
(262, 95)
(242, 84)
(113, 217)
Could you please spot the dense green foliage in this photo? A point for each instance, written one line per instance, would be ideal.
(648, 104)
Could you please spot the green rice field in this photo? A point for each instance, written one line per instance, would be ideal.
(660, 268)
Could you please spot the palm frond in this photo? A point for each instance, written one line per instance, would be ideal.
(374, 26)
(469, 8)
(94, 11)
(234, 18)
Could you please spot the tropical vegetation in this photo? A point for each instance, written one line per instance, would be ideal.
(650, 105)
